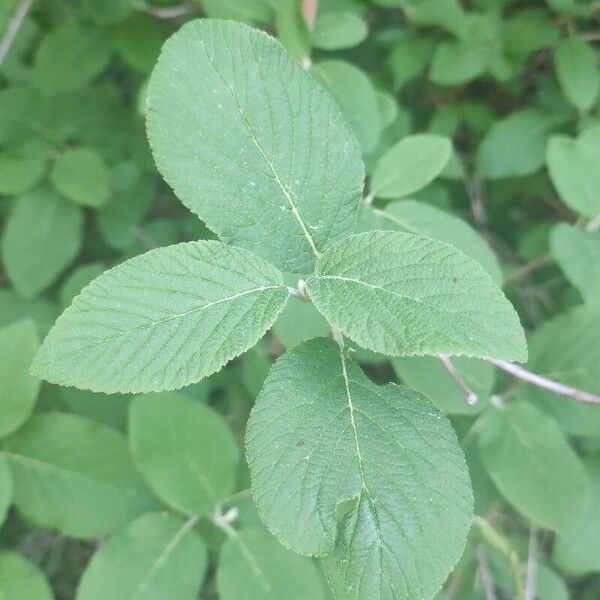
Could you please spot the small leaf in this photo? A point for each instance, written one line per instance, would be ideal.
(14, 308)
(338, 29)
(573, 169)
(455, 63)
(577, 72)
(578, 255)
(157, 556)
(20, 579)
(369, 477)
(18, 389)
(74, 475)
(163, 320)
(578, 551)
(410, 165)
(19, 175)
(253, 566)
(253, 145)
(532, 465)
(42, 237)
(81, 175)
(6, 489)
(70, 57)
(298, 322)
(184, 450)
(421, 218)
(515, 145)
(402, 294)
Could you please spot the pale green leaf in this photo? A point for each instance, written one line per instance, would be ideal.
(6, 487)
(573, 168)
(424, 219)
(163, 320)
(75, 475)
(14, 308)
(157, 556)
(299, 321)
(19, 175)
(532, 465)
(22, 580)
(410, 165)
(184, 450)
(578, 255)
(357, 98)
(81, 175)
(335, 30)
(566, 349)
(370, 478)
(515, 145)
(550, 585)
(455, 63)
(42, 237)
(70, 57)
(77, 280)
(403, 294)
(577, 72)
(429, 376)
(578, 551)
(253, 566)
(254, 145)
(18, 389)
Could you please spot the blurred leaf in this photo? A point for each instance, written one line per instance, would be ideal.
(19, 175)
(184, 450)
(21, 580)
(6, 490)
(155, 557)
(18, 389)
(75, 475)
(335, 30)
(42, 237)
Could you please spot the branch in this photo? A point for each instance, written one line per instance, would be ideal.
(530, 267)
(543, 382)
(532, 563)
(12, 29)
(169, 12)
(467, 392)
(485, 574)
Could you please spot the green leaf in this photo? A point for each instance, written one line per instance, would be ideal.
(410, 165)
(428, 376)
(455, 63)
(18, 389)
(369, 477)
(107, 12)
(163, 320)
(532, 465)
(335, 30)
(253, 566)
(573, 169)
(70, 57)
(6, 488)
(566, 349)
(42, 237)
(357, 98)
(74, 475)
(184, 450)
(20, 579)
(292, 29)
(578, 255)
(448, 14)
(421, 218)
(577, 72)
(298, 322)
(77, 280)
(157, 556)
(578, 551)
(515, 145)
(403, 294)
(81, 175)
(19, 175)
(13, 308)
(254, 146)
(550, 585)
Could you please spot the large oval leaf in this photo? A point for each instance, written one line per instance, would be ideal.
(163, 320)
(371, 478)
(403, 294)
(252, 144)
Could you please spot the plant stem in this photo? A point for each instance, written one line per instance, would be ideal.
(530, 267)
(12, 29)
(484, 573)
(168, 12)
(532, 562)
(543, 382)
(467, 392)
(496, 540)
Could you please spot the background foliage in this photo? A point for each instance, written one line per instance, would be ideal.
(88, 499)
